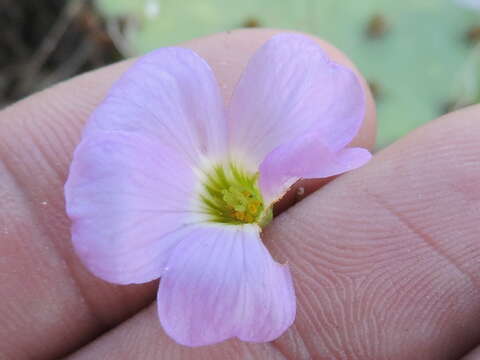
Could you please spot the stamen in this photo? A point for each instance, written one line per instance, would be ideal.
(232, 196)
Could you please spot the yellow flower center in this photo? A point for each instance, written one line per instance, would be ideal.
(232, 196)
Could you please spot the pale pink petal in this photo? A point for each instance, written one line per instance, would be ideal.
(128, 197)
(305, 157)
(171, 95)
(221, 282)
(290, 87)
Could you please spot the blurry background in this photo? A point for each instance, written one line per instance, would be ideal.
(421, 57)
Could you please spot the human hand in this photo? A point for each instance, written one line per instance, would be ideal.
(385, 259)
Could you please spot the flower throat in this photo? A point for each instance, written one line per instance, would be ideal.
(232, 196)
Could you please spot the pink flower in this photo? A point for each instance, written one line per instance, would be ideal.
(167, 183)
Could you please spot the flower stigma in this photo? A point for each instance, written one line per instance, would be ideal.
(232, 196)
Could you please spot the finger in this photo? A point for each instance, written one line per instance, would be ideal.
(473, 355)
(142, 338)
(388, 257)
(51, 303)
(386, 261)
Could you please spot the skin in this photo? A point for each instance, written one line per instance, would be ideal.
(385, 259)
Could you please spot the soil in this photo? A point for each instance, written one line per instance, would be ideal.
(44, 42)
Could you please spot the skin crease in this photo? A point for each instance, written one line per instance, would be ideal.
(385, 259)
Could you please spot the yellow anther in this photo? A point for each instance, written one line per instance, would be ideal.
(232, 196)
(247, 194)
(240, 215)
(252, 208)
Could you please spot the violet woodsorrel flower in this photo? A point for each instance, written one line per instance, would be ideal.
(166, 183)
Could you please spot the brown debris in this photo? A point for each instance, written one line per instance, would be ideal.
(251, 23)
(377, 27)
(473, 35)
(47, 41)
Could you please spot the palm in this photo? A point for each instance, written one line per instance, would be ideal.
(385, 259)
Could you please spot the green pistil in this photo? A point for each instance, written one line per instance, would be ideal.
(232, 196)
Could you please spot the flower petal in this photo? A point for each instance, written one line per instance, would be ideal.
(170, 94)
(128, 197)
(221, 282)
(305, 157)
(288, 88)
